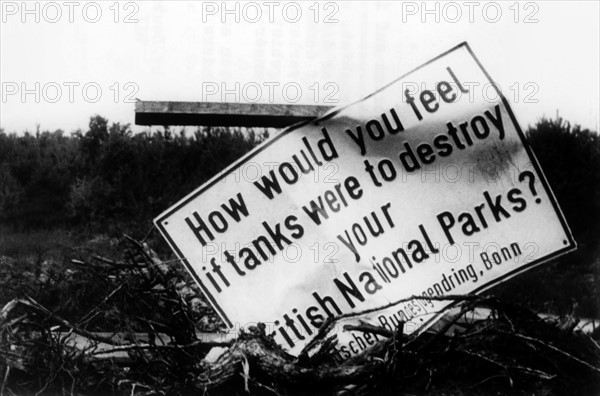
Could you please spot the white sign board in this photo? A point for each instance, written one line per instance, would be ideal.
(426, 187)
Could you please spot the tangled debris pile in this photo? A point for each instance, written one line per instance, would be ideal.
(95, 325)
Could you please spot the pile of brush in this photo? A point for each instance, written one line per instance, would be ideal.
(133, 325)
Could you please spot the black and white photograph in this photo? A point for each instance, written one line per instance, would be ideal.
(299, 198)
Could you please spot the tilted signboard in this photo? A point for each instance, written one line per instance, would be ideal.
(427, 187)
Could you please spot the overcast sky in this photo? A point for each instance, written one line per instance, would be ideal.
(83, 58)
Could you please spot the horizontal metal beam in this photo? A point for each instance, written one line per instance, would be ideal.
(224, 114)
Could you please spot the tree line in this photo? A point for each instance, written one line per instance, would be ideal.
(108, 175)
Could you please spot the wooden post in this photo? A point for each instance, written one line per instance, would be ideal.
(224, 114)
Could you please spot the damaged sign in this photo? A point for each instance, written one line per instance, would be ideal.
(425, 188)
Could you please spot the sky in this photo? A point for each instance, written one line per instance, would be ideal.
(62, 62)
